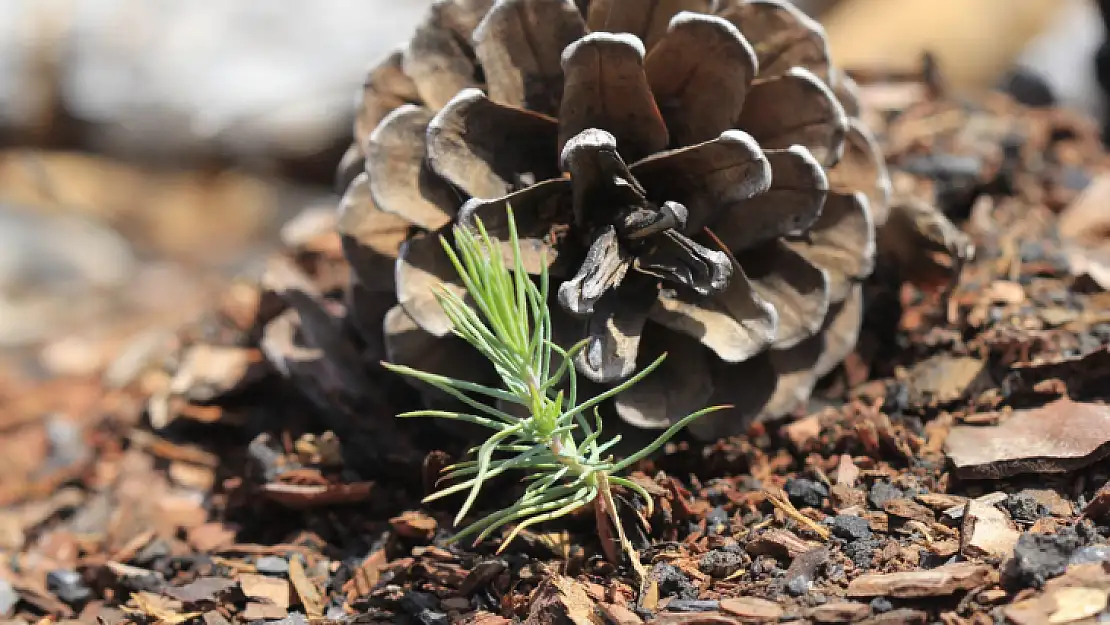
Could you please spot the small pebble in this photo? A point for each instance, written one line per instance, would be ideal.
(1074, 178)
(266, 458)
(154, 550)
(693, 605)
(67, 442)
(8, 598)
(835, 573)
(1031, 251)
(805, 493)
(850, 527)
(860, 552)
(1090, 555)
(1028, 87)
(798, 586)
(721, 563)
(673, 582)
(716, 496)
(431, 617)
(415, 601)
(66, 584)
(882, 492)
(716, 521)
(880, 605)
(272, 565)
(1040, 557)
(422, 606)
(1024, 507)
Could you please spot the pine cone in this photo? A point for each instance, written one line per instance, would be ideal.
(692, 172)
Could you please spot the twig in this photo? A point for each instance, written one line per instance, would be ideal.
(782, 503)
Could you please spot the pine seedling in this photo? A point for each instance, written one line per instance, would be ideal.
(555, 446)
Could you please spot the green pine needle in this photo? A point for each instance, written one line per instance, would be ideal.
(555, 447)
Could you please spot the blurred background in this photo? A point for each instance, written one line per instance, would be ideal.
(151, 149)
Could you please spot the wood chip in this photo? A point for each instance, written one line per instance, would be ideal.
(907, 509)
(366, 576)
(211, 536)
(902, 616)
(160, 609)
(271, 589)
(201, 590)
(782, 502)
(939, 502)
(306, 590)
(846, 471)
(944, 379)
(803, 433)
(263, 611)
(779, 543)
(844, 497)
(1099, 505)
(752, 609)
(484, 618)
(938, 582)
(1062, 436)
(1006, 292)
(987, 532)
(840, 612)
(694, 618)
(562, 599)
(619, 615)
(1073, 604)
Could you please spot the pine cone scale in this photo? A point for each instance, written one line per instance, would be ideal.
(423, 269)
(842, 241)
(796, 109)
(401, 179)
(783, 36)
(736, 324)
(486, 149)
(606, 87)
(796, 288)
(648, 20)
(792, 203)
(700, 73)
(706, 178)
(520, 47)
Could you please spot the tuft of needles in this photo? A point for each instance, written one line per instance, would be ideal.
(557, 445)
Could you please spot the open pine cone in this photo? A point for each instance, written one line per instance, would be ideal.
(691, 171)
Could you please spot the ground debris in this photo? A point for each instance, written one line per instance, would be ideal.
(1075, 597)
(840, 612)
(563, 600)
(987, 532)
(938, 582)
(1062, 436)
(752, 609)
(944, 379)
